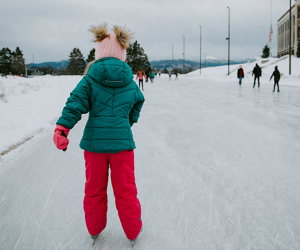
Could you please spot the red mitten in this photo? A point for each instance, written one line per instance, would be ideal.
(60, 137)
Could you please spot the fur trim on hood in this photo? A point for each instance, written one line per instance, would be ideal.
(88, 67)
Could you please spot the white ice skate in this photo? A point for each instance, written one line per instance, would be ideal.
(133, 241)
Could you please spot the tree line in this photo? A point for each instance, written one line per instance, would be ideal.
(12, 62)
(136, 58)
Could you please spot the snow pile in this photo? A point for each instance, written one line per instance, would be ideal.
(29, 105)
(267, 65)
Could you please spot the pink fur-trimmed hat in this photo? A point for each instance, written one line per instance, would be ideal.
(111, 45)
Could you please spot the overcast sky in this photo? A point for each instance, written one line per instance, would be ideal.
(51, 29)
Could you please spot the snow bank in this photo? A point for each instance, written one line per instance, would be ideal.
(29, 105)
(267, 65)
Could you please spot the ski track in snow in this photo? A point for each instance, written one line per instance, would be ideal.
(216, 168)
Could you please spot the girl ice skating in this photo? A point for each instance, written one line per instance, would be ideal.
(140, 74)
(113, 100)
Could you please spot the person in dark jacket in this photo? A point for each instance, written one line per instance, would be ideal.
(114, 102)
(277, 76)
(240, 74)
(257, 74)
(147, 75)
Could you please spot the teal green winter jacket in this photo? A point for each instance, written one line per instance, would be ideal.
(113, 100)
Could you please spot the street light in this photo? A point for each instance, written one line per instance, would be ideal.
(290, 52)
(200, 45)
(205, 54)
(228, 38)
(172, 58)
(183, 62)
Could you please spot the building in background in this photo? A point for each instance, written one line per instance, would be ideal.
(283, 31)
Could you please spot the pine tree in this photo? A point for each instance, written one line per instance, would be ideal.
(136, 58)
(17, 62)
(266, 52)
(77, 64)
(5, 61)
(298, 50)
(91, 56)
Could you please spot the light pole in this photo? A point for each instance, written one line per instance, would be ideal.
(290, 52)
(228, 38)
(200, 45)
(205, 54)
(172, 58)
(183, 62)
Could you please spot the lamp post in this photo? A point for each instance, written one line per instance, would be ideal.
(290, 52)
(200, 45)
(183, 62)
(228, 38)
(172, 58)
(205, 54)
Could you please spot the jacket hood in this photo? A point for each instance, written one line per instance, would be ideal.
(110, 72)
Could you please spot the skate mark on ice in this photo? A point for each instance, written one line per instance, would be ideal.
(69, 241)
(20, 235)
(276, 218)
(46, 206)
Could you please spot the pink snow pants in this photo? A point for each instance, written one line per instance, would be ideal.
(125, 191)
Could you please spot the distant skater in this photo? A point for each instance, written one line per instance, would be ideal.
(159, 73)
(140, 74)
(240, 74)
(152, 75)
(257, 74)
(170, 75)
(277, 76)
(147, 75)
(176, 76)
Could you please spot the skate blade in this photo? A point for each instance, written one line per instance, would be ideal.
(132, 245)
(93, 242)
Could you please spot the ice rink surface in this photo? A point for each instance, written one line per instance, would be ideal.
(217, 167)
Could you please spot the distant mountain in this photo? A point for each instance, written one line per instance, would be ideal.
(55, 65)
(210, 62)
(157, 64)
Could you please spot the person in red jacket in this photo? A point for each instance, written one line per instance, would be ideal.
(140, 74)
(240, 74)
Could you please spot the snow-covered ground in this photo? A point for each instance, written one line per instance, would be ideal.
(29, 105)
(217, 166)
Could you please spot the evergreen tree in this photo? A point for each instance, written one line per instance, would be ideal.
(91, 56)
(136, 58)
(298, 49)
(165, 71)
(17, 62)
(77, 64)
(5, 61)
(266, 52)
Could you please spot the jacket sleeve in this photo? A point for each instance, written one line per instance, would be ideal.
(271, 76)
(137, 107)
(77, 104)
